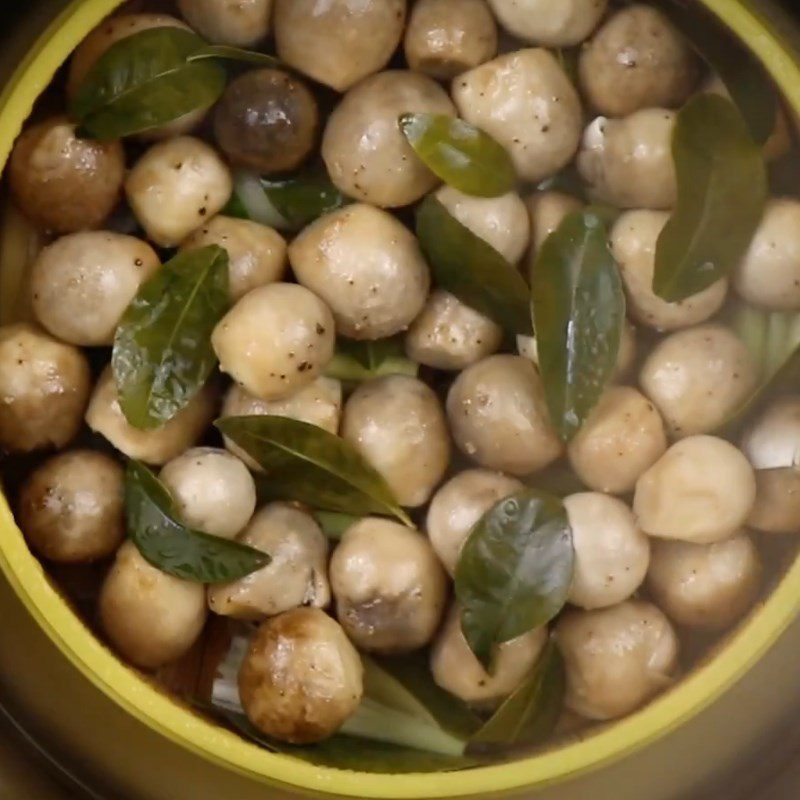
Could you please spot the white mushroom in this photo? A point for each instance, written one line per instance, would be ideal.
(622, 437)
(62, 182)
(239, 23)
(617, 658)
(301, 678)
(71, 507)
(501, 222)
(213, 490)
(450, 335)
(276, 340)
(445, 37)
(398, 425)
(367, 266)
(707, 586)
(628, 162)
(633, 244)
(157, 446)
(150, 617)
(176, 186)
(526, 101)
(83, 283)
(457, 507)
(637, 59)
(257, 253)
(366, 153)
(698, 378)
(701, 490)
(296, 575)
(547, 210)
(772, 445)
(769, 274)
(44, 388)
(611, 553)
(389, 587)
(338, 42)
(456, 669)
(553, 23)
(319, 403)
(498, 416)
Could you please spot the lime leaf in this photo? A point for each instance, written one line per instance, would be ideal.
(472, 270)
(172, 547)
(462, 155)
(306, 463)
(722, 190)
(162, 348)
(579, 311)
(145, 81)
(514, 571)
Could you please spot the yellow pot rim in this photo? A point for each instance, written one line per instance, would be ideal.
(139, 698)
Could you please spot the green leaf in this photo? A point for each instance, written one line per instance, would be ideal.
(514, 571)
(529, 715)
(359, 361)
(579, 309)
(462, 155)
(773, 339)
(349, 752)
(333, 523)
(471, 269)
(412, 673)
(229, 53)
(744, 77)
(172, 547)
(722, 189)
(162, 348)
(287, 204)
(145, 81)
(306, 463)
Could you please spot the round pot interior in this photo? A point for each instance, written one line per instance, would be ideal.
(145, 702)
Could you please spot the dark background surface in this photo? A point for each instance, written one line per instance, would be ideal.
(776, 777)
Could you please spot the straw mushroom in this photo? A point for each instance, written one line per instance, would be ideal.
(295, 576)
(213, 490)
(553, 23)
(83, 283)
(150, 617)
(276, 340)
(301, 678)
(71, 507)
(64, 183)
(616, 658)
(44, 388)
(238, 23)
(389, 587)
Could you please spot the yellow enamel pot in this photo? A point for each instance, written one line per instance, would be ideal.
(287, 776)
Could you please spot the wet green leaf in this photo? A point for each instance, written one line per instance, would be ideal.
(286, 204)
(228, 53)
(529, 715)
(413, 673)
(462, 155)
(722, 189)
(744, 77)
(579, 308)
(333, 523)
(172, 547)
(145, 81)
(350, 752)
(306, 463)
(773, 339)
(162, 348)
(514, 571)
(466, 266)
(359, 361)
